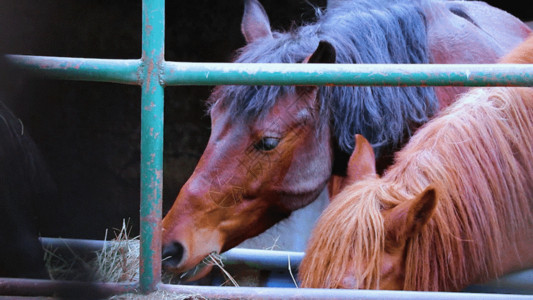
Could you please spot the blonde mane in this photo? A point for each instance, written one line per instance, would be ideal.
(478, 156)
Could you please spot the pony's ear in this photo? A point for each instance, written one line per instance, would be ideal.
(362, 163)
(255, 24)
(421, 210)
(409, 218)
(324, 54)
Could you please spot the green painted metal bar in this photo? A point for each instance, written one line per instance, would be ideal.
(183, 73)
(152, 104)
(270, 293)
(125, 71)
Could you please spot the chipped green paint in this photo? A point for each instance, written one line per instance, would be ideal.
(183, 73)
(124, 71)
(152, 104)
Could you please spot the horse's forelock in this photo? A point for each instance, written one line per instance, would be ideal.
(357, 207)
(250, 102)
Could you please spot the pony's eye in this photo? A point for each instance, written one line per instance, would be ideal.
(267, 144)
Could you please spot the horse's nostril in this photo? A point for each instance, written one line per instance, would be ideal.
(172, 254)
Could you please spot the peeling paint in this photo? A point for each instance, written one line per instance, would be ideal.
(183, 73)
(86, 69)
(152, 143)
(149, 107)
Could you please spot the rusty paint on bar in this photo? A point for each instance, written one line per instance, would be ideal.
(125, 71)
(152, 103)
(184, 73)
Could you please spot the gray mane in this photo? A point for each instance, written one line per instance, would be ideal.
(362, 31)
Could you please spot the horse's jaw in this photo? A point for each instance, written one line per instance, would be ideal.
(197, 227)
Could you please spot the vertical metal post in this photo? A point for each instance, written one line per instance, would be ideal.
(152, 102)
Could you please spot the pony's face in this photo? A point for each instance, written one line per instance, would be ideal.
(391, 273)
(252, 175)
(382, 267)
(360, 240)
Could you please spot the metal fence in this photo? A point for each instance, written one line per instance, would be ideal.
(153, 73)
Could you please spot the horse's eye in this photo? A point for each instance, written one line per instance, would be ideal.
(267, 144)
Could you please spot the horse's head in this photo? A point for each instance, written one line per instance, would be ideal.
(360, 240)
(257, 168)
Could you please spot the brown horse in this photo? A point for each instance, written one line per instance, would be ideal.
(455, 209)
(273, 148)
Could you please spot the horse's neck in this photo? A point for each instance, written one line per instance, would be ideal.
(292, 233)
(469, 32)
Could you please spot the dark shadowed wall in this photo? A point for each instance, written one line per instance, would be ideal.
(89, 132)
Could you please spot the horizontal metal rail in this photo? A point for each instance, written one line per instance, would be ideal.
(184, 73)
(212, 292)
(348, 74)
(263, 259)
(37, 287)
(125, 71)
(253, 258)
(520, 282)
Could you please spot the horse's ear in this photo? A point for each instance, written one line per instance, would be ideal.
(421, 210)
(324, 54)
(409, 218)
(255, 24)
(362, 163)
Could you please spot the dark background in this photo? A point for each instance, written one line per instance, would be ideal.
(89, 132)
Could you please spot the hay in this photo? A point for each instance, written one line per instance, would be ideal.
(290, 271)
(118, 261)
(66, 265)
(214, 258)
(61, 267)
(159, 295)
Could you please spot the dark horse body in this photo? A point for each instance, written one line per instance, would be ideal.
(273, 148)
(24, 182)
